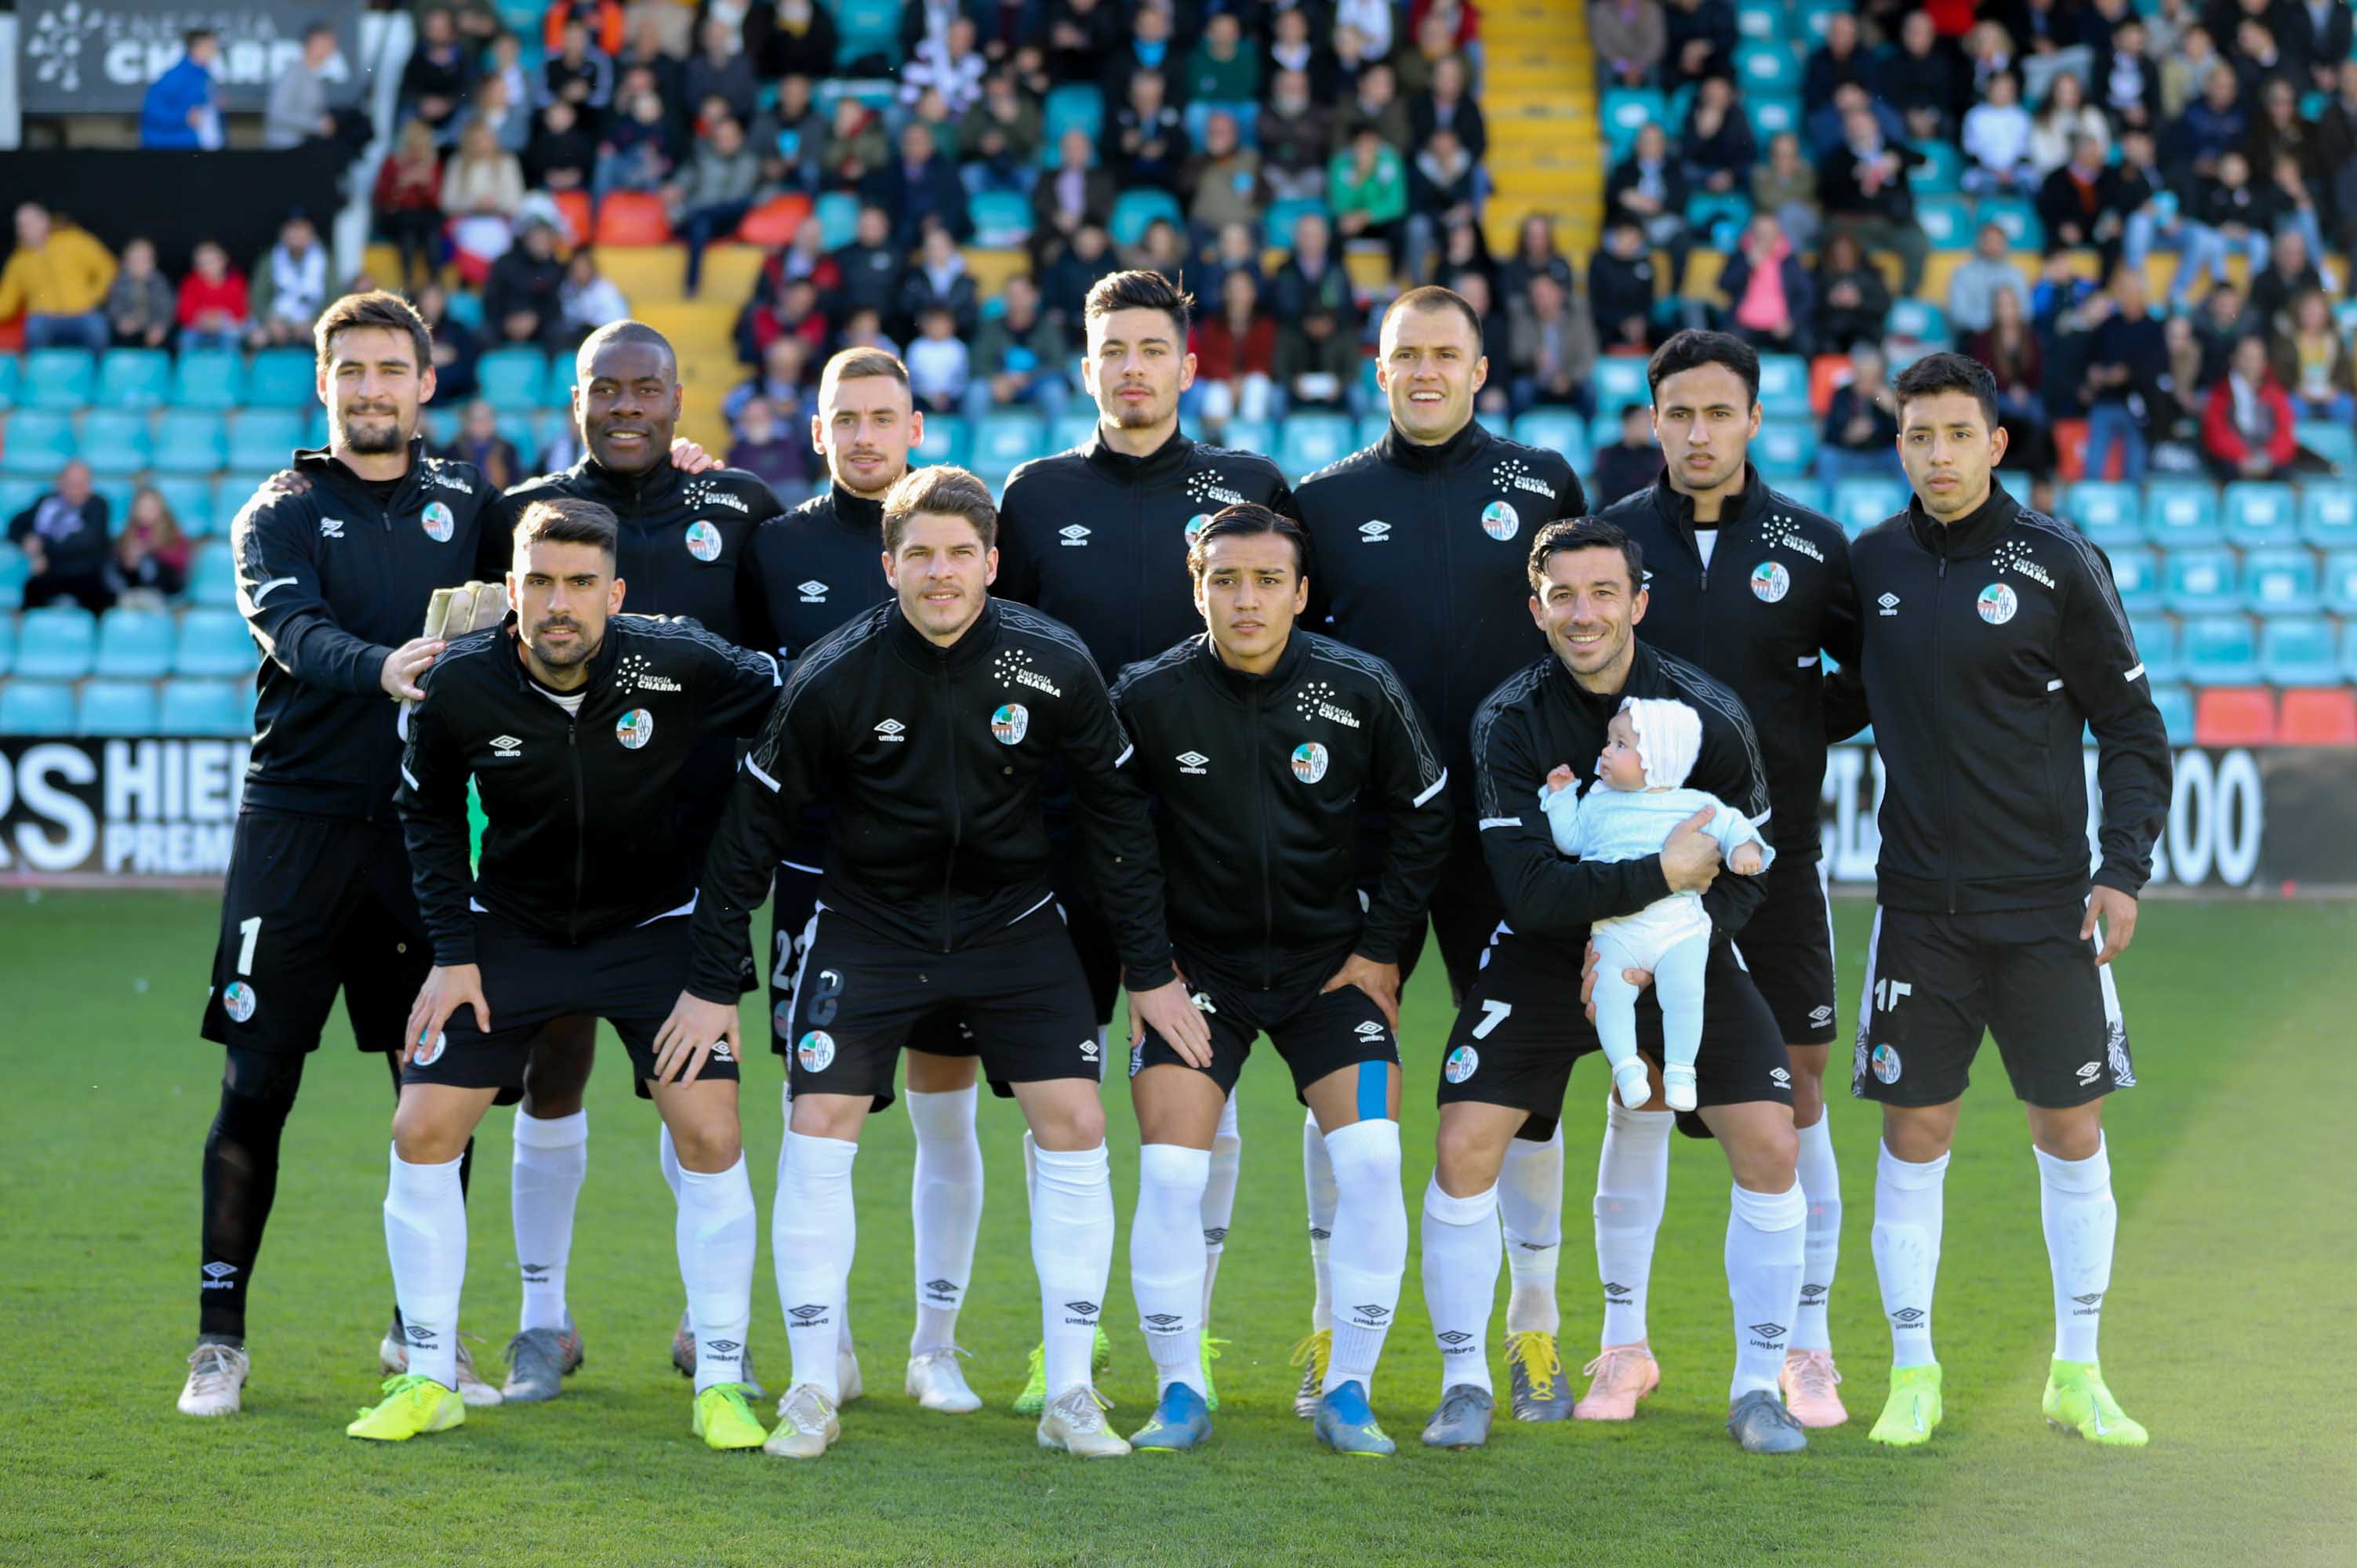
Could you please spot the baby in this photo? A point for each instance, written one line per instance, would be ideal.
(1629, 814)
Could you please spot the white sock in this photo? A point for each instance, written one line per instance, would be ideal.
(1530, 1210)
(1907, 1215)
(1764, 1247)
(814, 1234)
(1460, 1280)
(1821, 1186)
(552, 1158)
(1370, 1247)
(1317, 1176)
(716, 1235)
(667, 1156)
(1219, 1198)
(1072, 1249)
(2080, 1223)
(945, 1202)
(426, 1237)
(1632, 1183)
(1166, 1259)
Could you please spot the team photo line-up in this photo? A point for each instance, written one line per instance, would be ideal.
(1154, 720)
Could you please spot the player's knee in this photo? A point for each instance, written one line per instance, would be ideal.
(258, 1087)
(706, 1147)
(1069, 1126)
(1467, 1159)
(422, 1136)
(1768, 1161)
(1366, 1156)
(1179, 1173)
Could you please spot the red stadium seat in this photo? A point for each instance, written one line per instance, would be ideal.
(2324, 715)
(773, 223)
(2235, 715)
(2070, 449)
(580, 213)
(632, 218)
(1827, 373)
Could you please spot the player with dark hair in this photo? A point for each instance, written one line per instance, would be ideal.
(333, 584)
(1995, 639)
(1420, 542)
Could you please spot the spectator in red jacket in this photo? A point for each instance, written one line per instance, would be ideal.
(1235, 348)
(2248, 428)
(214, 304)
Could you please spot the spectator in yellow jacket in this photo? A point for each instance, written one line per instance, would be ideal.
(58, 277)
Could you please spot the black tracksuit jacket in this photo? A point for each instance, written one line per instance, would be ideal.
(330, 582)
(931, 760)
(819, 566)
(1259, 784)
(1991, 645)
(588, 829)
(1775, 598)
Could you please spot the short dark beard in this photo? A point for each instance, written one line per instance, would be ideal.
(370, 443)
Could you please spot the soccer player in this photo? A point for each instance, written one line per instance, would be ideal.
(926, 725)
(1522, 1026)
(1420, 543)
(1994, 637)
(333, 584)
(1262, 744)
(574, 724)
(1097, 538)
(1754, 588)
(820, 568)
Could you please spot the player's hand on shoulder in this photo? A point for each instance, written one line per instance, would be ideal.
(1171, 1012)
(2117, 911)
(1690, 857)
(690, 459)
(286, 482)
(448, 988)
(684, 1042)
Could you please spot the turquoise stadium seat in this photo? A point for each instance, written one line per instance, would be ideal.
(1277, 223)
(868, 27)
(1246, 113)
(2340, 582)
(2328, 514)
(114, 441)
(36, 707)
(1603, 430)
(135, 378)
(2107, 511)
(2182, 511)
(1860, 504)
(230, 492)
(134, 645)
(2259, 514)
(191, 498)
(2201, 578)
(1134, 212)
(2220, 650)
(2157, 644)
(1946, 222)
(37, 442)
(212, 576)
(2016, 215)
(947, 440)
(1002, 219)
(57, 378)
(1773, 68)
(1627, 109)
(190, 441)
(56, 643)
(2348, 651)
(282, 378)
(117, 707)
(1942, 170)
(203, 707)
(1620, 379)
(1311, 441)
(1074, 106)
(1763, 23)
(1772, 115)
(1785, 449)
(1250, 435)
(2135, 572)
(1004, 441)
(2298, 651)
(209, 378)
(1371, 429)
(1784, 387)
(1919, 319)
(213, 642)
(2281, 580)
(1812, 15)
(2175, 705)
(1808, 493)
(514, 378)
(1079, 424)
(12, 371)
(2331, 440)
(1719, 217)
(12, 573)
(265, 438)
(1556, 429)
(837, 212)
(8, 632)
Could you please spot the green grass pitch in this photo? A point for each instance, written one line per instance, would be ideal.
(2226, 1331)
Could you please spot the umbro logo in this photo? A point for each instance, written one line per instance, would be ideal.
(1191, 761)
(723, 1346)
(535, 1271)
(809, 1312)
(1768, 1330)
(1368, 1030)
(1453, 1337)
(2087, 1071)
(1089, 1050)
(1163, 1321)
(814, 592)
(219, 1271)
(2089, 1305)
(890, 730)
(416, 1335)
(1783, 1079)
(941, 1287)
(1907, 1316)
(1889, 603)
(1215, 1234)
(1811, 1294)
(1821, 1016)
(1073, 533)
(1318, 1235)
(331, 527)
(1615, 1290)
(506, 746)
(1375, 532)
(1373, 1314)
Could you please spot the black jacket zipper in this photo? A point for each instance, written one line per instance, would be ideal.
(957, 814)
(1259, 812)
(1938, 732)
(580, 823)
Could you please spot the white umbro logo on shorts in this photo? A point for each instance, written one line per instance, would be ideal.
(1368, 1030)
(506, 746)
(2088, 1070)
(890, 730)
(1375, 532)
(1088, 1051)
(813, 591)
(1783, 1080)
(1821, 1016)
(1191, 761)
(1889, 603)
(1074, 533)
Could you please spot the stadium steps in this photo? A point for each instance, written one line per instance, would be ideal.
(1538, 96)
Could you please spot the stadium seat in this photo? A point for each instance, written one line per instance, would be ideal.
(114, 441)
(36, 707)
(629, 218)
(1244, 113)
(1773, 68)
(12, 573)
(2182, 511)
(1784, 387)
(282, 378)
(1074, 106)
(868, 27)
(56, 643)
(2109, 512)
(2203, 578)
(1946, 222)
(57, 379)
(1619, 379)
(201, 707)
(579, 210)
(135, 378)
(2339, 585)
(1079, 424)
(2220, 650)
(2328, 514)
(37, 442)
(1784, 450)
(2234, 716)
(2156, 645)
(1943, 169)
(838, 218)
(1312, 440)
(1763, 23)
(1812, 15)
(1919, 320)
(2331, 440)
(2260, 514)
(1135, 211)
(7, 633)
(1004, 441)
(2175, 705)
(1774, 114)
(1371, 427)
(1806, 492)
(209, 378)
(1247, 435)
(2319, 716)
(1002, 219)
(2016, 215)
(265, 438)
(1277, 223)
(1860, 504)
(2281, 580)
(2135, 572)
(1719, 217)
(212, 642)
(11, 373)
(117, 707)
(514, 378)
(775, 222)
(1627, 111)
(19, 491)
(191, 498)
(190, 441)
(134, 645)
(2298, 651)
(212, 576)
(1556, 429)
(947, 440)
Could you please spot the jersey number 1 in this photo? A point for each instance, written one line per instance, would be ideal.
(251, 930)
(1887, 994)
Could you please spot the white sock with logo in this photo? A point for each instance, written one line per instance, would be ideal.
(2081, 1221)
(1530, 1210)
(1166, 1260)
(1632, 1184)
(1317, 1176)
(814, 1234)
(1461, 1253)
(1765, 1243)
(1370, 1247)
(1072, 1249)
(1908, 1212)
(946, 1203)
(552, 1159)
(426, 1237)
(715, 1234)
(1821, 1184)
(1219, 1198)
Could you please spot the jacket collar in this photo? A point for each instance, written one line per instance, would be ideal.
(321, 462)
(596, 481)
(1643, 671)
(601, 662)
(1971, 534)
(1745, 506)
(1240, 685)
(856, 512)
(1125, 470)
(920, 652)
(1418, 459)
